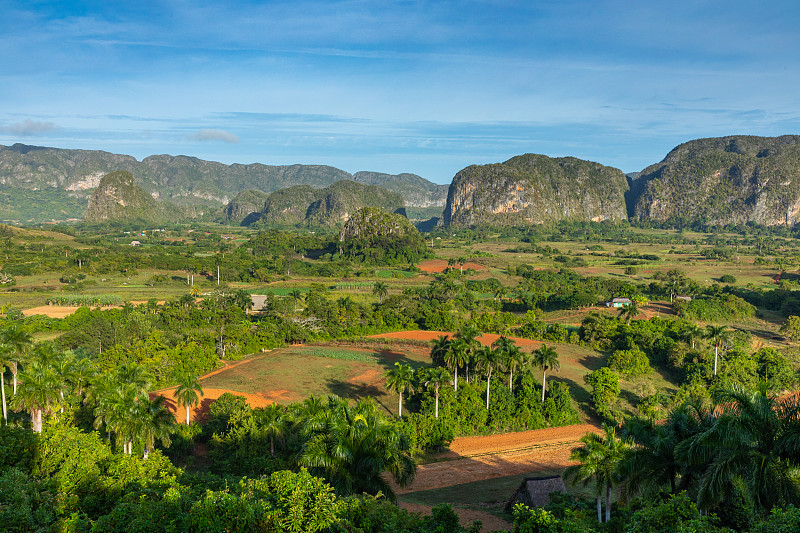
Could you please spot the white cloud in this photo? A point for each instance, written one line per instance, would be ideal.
(214, 135)
(30, 127)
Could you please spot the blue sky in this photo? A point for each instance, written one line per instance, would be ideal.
(397, 86)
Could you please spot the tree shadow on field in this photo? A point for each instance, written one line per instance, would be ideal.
(594, 361)
(387, 359)
(356, 391)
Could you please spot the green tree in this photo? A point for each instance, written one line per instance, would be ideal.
(380, 289)
(272, 424)
(605, 387)
(296, 295)
(597, 461)
(400, 379)
(434, 378)
(439, 348)
(352, 447)
(469, 334)
(487, 359)
(791, 328)
(691, 332)
(717, 335)
(188, 392)
(20, 343)
(754, 438)
(38, 393)
(152, 421)
(5, 353)
(456, 356)
(545, 358)
(629, 312)
(511, 356)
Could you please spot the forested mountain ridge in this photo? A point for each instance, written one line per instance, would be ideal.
(117, 197)
(532, 189)
(185, 180)
(723, 180)
(303, 204)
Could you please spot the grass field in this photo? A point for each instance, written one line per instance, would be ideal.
(292, 374)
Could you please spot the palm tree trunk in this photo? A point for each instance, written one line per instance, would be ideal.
(456, 377)
(488, 378)
(3, 390)
(146, 450)
(716, 351)
(187, 414)
(272, 446)
(400, 405)
(437, 403)
(511, 380)
(608, 502)
(599, 509)
(544, 383)
(36, 420)
(14, 372)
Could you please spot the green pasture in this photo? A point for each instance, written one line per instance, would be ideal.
(297, 372)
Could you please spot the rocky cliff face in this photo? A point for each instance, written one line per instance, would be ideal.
(246, 207)
(534, 189)
(117, 197)
(723, 180)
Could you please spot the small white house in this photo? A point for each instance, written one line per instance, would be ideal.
(619, 302)
(135, 243)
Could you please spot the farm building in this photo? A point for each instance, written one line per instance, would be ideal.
(619, 302)
(684, 298)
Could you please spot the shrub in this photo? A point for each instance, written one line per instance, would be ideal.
(630, 362)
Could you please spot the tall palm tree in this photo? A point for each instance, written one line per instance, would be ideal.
(295, 295)
(380, 289)
(545, 358)
(456, 356)
(188, 392)
(717, 335)
(400, 380)
(469, 334)
(598, 458)
(38, 392)
(439, 349)
(152, 421)
(20, 343)
(4, 354)
(272, 424)
(434, 378)
(692, 332)
(136, 375)
(512, 357)
(487, 360)
(753, 438)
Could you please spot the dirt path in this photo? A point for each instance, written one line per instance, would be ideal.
(439, 265)
(477, 458)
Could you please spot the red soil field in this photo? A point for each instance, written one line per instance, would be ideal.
(485, 339)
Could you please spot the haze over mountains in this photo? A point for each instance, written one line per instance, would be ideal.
(735, 179)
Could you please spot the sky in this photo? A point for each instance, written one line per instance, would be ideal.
(427, 87)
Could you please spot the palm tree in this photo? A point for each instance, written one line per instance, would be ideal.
(598, 458)
(717, 334)
(38, 392)
(400, 379)
(469, 334)
(271, 422)
(439, 349)
(692, 332)
(754, 438)
(380, 289)
(512, 357)
(456, 356)
(152, 421)
(188, 392)
(19, 342)
(295, 295)
(630, 312)
(352, 447)
(4, 354)
(136, 375)
(487, 359)
(545, 358)
(435, 377)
